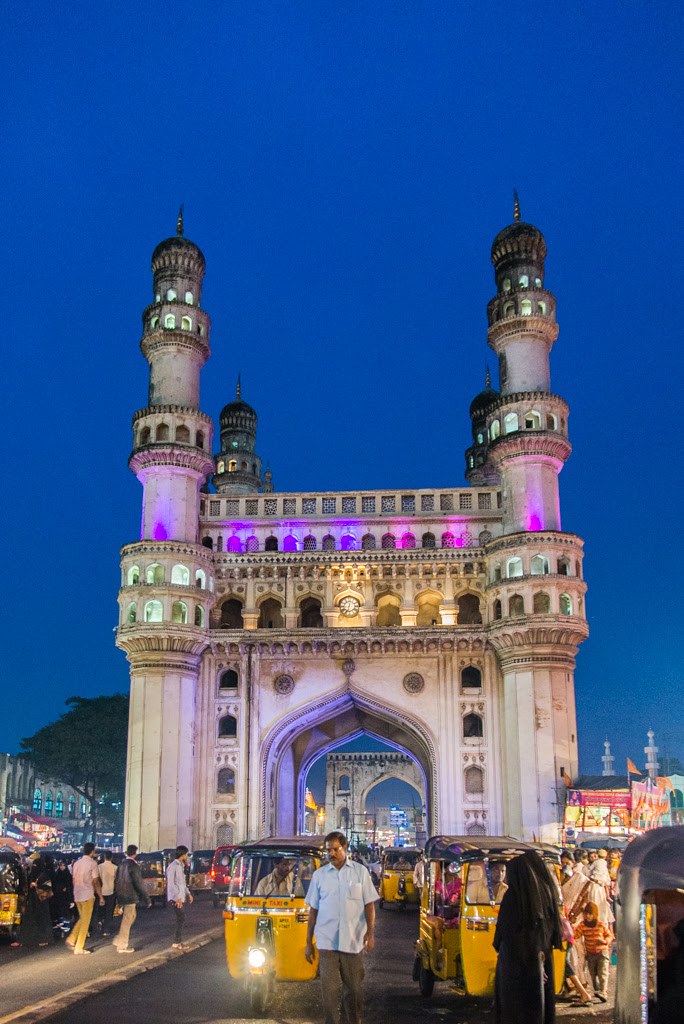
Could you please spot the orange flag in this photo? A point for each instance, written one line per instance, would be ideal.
(567, 780)
(632, 768)
(666, 783)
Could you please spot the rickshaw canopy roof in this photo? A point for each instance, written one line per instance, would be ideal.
(656, 858)
(465, 848)
(292, 845)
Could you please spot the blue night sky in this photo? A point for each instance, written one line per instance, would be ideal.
(344, 168)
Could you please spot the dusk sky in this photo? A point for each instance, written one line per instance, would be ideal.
(344, 168)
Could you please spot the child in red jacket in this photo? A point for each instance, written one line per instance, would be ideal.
(598, 939)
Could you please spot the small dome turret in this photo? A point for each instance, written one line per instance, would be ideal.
(238, 467)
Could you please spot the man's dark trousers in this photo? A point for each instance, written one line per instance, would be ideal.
(180, 921)
(341, 985)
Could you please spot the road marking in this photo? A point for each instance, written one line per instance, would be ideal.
(54, 1004)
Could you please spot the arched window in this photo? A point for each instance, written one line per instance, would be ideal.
(368, 542)
(388, 541)
(408, 541)
(496, 610)
(186, 323)
(182, 434)
(133, 576)
(200, 579)
(563, 566)
(270, 614)
(343, 785)
(72, 806)
(243, 466)
(271, 544)
(514, 567)
(228, 680)
(225, 781)
(474, 780)
(48, 804)
(154, 322)
(169, 321)
(516, 606)
(524, 281)
(565, 604)
(448, 540)
(171, 295)
(180, 575)
(388, 611)
(154, 612)
(199, 439)
(541, 603)
(227, 727)
(37, 805)
(428, 540)
(484, 538)
(428, 610)
(290, 543)
(475, 828)
(310, 614)
(494, 430)
(509, 309)
(310, 542)
(131, 613)
(162, 432)
(232, 466)
(541, 308)
(253, 545)
(189, 298)
(220, 466)
(207, 542)
(155, 574)
(231, 614)
(199, 615)
(472, 726)
(539, 565)
(179, 613)
(348, 542)
(328, 542)
(59, 806)
(551, 421)
(469, 613)
(145, 435)
(532, 420)
(471, 678)
(224, 835)
(496, 572)
(510, 423)
(507, 284)
(233, 544)
(526, 307)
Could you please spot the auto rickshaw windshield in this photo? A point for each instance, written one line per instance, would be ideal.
(272, 874)
(486, 881)
(200, 863)
(398, 860)
(150, 867)
(11, 878)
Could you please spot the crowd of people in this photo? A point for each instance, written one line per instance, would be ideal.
(86, 898)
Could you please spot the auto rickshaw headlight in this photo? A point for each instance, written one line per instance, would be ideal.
(256, 958)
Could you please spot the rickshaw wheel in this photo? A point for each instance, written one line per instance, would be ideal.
(426, 981)
(258, 995)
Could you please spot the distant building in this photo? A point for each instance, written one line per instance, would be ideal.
(27, 798)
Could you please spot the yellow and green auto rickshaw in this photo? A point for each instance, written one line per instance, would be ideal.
(199, 879)
(13, 892)
(650, 929)
(266, 918)
(153, 870)
(465, 880)
(396, 877)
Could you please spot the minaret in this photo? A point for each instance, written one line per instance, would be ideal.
(651, 752)
(608, 759)
(167, 576)
(479, 470)
(535, 590)
(238, 467)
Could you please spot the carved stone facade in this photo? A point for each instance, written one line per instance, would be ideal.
(350, 779)
(264, 629)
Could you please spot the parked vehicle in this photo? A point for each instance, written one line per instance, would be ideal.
(220, 874)
(153, 870)
(13, 892)
(396, 876)
(200, 870)
(650, 929)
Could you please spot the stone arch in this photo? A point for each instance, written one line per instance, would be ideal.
(428, 606)
(385, 777)
(270, 608)
(295, 741)
(388, 604)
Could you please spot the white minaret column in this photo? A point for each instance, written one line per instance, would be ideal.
(608, 759)
(651, 752)
(167, 576)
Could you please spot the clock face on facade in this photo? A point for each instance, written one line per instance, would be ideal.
(349, 607)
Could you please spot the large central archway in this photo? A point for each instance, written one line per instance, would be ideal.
(295, 742)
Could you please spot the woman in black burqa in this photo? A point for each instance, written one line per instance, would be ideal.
(527, 930)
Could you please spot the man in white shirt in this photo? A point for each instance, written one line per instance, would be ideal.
(86, 879)
(177, 892)
(342, 900)
(107, 875)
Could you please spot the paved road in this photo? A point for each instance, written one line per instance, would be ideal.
(196, 989)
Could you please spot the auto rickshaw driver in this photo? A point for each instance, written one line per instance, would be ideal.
(488, 886)
(281, 880)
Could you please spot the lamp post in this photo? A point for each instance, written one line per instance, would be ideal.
(320, 817)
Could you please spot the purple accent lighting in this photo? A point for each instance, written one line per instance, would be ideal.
(160, 532)
(534, 523)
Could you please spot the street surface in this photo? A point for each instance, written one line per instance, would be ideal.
(196, 989)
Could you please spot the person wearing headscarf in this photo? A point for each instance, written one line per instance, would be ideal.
(528, 929)
(35, 930)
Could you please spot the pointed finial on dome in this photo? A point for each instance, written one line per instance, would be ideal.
(488, 378)
(238, 390)
(516, 205)
(179, 222)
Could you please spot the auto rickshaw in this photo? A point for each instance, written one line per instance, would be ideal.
(464, 886)
(13, 892)
(153, 870)
(396, 876)
(200, 870)
(265, 916)
(650, 929)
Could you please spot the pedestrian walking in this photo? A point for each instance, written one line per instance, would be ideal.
(342, 900)
(35, 930)
(177, 893)
(87, 887)
(419, 878)
(527, 930)
(598, 939)
(107, 875)
(62, 902)
(129, 891)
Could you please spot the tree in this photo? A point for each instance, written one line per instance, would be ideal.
(86, 749)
